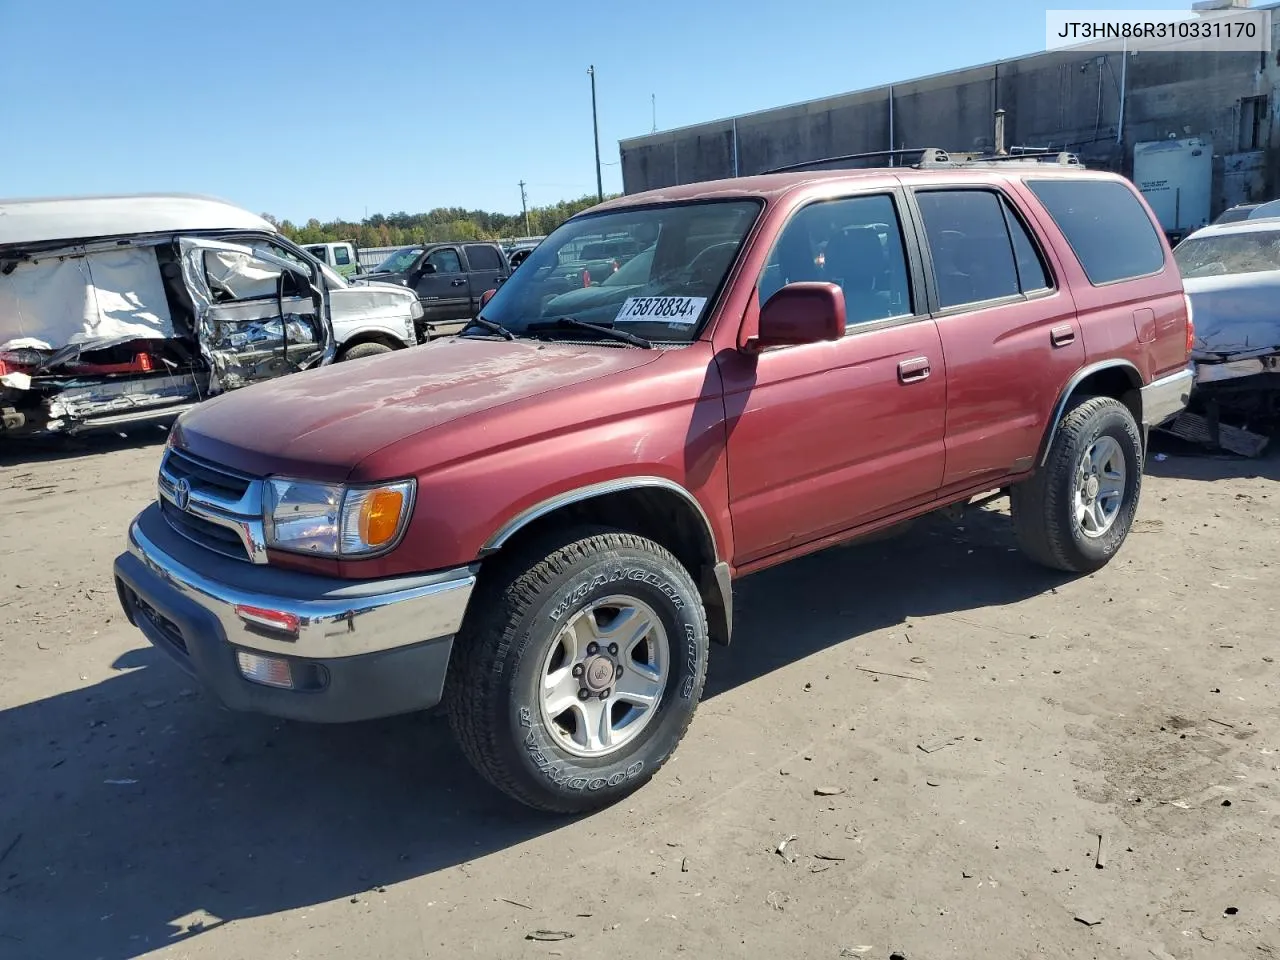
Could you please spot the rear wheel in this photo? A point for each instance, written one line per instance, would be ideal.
(364, 350)
(580, 670)
(1074, 513)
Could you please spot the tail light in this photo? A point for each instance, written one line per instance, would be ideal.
(586, 278)
(1191, 325)
(143, 362)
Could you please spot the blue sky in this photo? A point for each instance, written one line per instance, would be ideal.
(329, 108)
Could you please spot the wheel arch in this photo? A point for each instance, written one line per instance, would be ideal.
(653, 507)
(1118, 379)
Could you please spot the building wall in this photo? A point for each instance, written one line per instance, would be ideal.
(1062, 100)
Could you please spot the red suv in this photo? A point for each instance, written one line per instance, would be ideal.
(539, 521)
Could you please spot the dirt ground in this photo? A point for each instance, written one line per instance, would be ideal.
(137, 818)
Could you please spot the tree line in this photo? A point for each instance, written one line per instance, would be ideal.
(442, 223)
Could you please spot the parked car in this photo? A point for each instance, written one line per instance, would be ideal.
(342, 256)
(1241, 211)
(1231, 272)
(449, 279)
(539, 522)
(120, 311)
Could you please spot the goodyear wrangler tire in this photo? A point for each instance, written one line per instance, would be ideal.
(578, 670)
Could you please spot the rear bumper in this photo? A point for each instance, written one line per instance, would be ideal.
(361, 649)
(1163, 398)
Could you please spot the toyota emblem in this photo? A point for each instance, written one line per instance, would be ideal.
(182, 493)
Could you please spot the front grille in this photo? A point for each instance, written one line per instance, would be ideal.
(212, 536)
(205, 477)
(220, 510)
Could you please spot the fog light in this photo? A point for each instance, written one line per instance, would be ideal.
(265, 670)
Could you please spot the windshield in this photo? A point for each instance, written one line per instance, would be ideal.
(653, 272)
(1230, 253)
(399, 261)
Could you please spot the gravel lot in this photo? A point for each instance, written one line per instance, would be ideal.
(139, 819)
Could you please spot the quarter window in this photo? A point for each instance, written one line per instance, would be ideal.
(854, 242)
(1108, 230)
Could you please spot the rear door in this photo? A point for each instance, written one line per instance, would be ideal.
(258, 314)
(487, 271)
(829, 436)
(442, 285)
(1008, 327)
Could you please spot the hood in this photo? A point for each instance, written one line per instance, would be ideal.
(1236, 313)
(322, 423)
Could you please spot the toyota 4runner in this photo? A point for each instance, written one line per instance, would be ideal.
(538, 523)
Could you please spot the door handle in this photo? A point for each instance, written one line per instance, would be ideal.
(914, 370)
(1063, 335)
(458, 283)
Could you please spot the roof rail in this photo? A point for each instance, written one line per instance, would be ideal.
(930, 158)
(809, 164)
(1028, 158)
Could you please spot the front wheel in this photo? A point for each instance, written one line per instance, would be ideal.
(1075, 511)
(578, 670)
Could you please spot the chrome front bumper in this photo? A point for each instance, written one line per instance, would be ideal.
(370, 647)
(1163, 398)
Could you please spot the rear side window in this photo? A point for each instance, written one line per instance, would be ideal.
(1031, 272)
(973, 258)
(483, 258)
(1109, 231)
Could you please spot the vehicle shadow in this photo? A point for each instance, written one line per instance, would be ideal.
(135, 814)
(1174, 458)
(16, 453)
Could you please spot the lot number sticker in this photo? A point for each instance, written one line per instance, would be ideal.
(677, 311)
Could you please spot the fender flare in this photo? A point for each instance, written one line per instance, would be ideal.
(720, 579)
(1064, 398)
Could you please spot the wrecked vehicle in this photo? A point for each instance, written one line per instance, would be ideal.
(1231, 273)
(120, 311)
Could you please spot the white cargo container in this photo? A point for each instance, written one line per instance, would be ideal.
(1176, 177)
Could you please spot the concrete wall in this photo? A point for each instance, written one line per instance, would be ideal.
(1062, 100)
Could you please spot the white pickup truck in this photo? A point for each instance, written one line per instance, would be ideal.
(122, 310)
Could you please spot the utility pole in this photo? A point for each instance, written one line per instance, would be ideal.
(525, 208)
(595, 129)
(653, 104)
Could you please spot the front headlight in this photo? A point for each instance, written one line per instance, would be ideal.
(415, 309)
(332, 520)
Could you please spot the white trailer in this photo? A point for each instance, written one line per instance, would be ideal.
(1176, 177)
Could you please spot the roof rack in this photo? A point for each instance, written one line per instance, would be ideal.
(809, 164)
(932, 158)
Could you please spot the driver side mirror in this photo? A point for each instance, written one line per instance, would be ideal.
(427, 268)
(800, 313)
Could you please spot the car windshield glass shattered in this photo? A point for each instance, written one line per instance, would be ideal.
(1251, 252)
(652, 272)
(399, 261)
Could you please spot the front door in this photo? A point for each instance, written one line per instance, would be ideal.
(828, 436)
(442, 285)
(257, 314)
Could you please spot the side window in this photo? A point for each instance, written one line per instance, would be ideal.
(1108, 230)
(341, 256)
(446, 260)
(483, 257)
(856, 243)
(972, 255)
(1032, 275)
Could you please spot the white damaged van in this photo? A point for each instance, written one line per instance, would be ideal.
(124, 310)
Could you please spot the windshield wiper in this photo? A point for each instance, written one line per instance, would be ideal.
(489, 325)
(573, 322)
